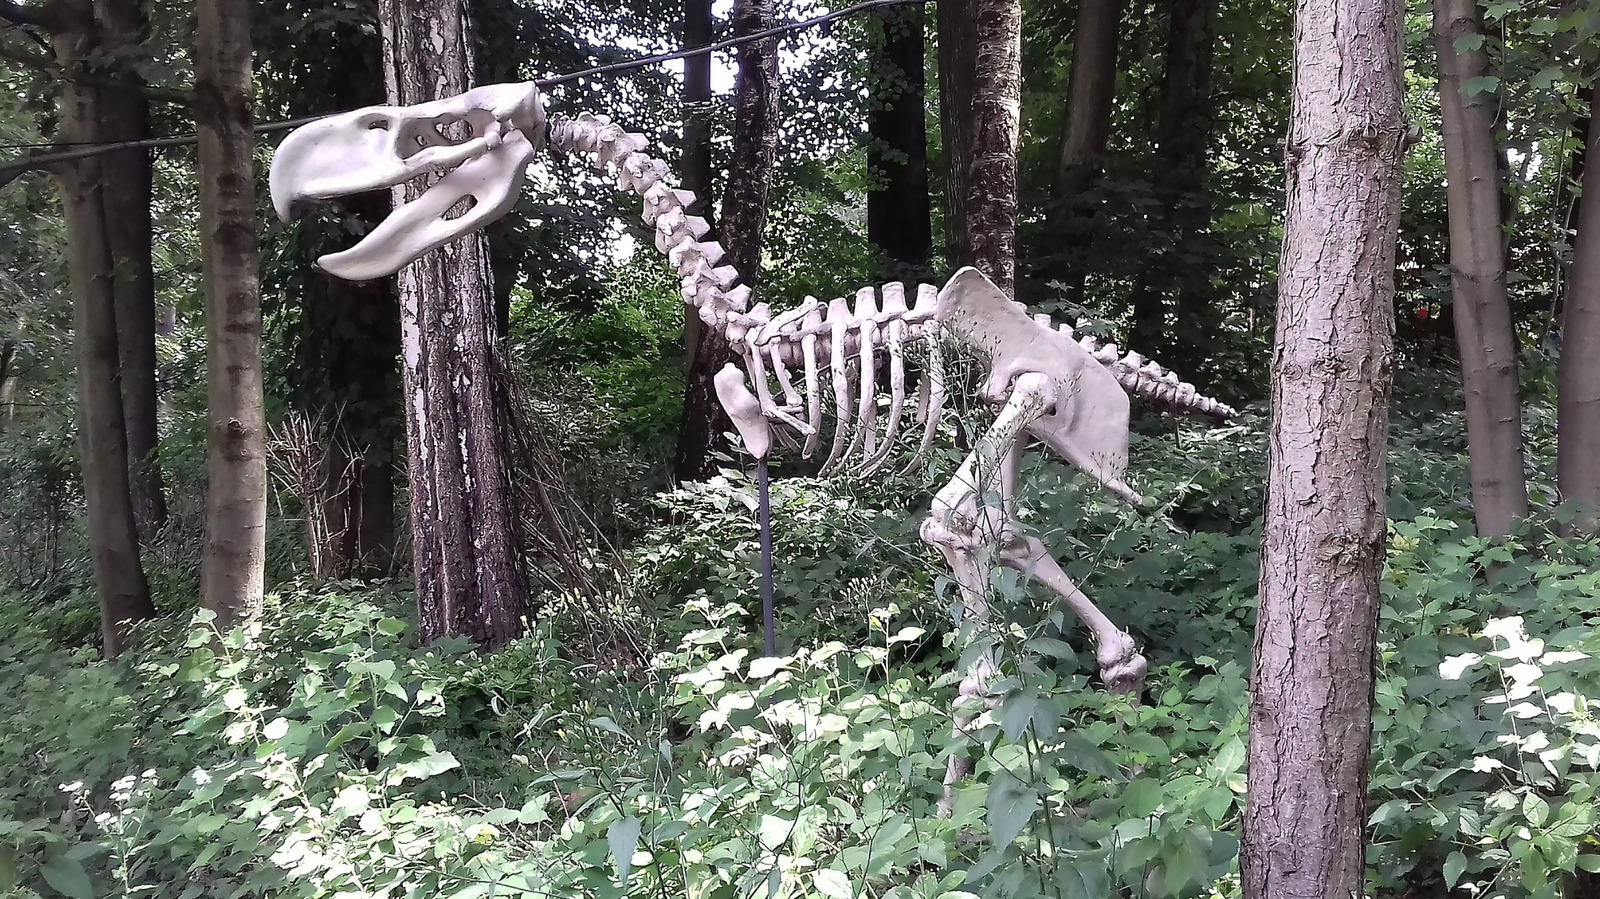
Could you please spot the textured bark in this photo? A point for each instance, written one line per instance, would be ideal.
(958, 54)
(1091, 90)
(744, 219)
(125, 116)
(232, 574)
(991, 187)
(697, 177)
(1179, 178)
(1484, 335)
(1323, 536)
(466, 534)
(124, 594)
(898, 215)
(1578, 375)
(8, 382)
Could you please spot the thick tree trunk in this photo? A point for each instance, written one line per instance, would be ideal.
(1323, 538)
(1179, 178)
(991, 187)
(232, 574)
(1091, 92)
(113, 537)
(466, 534)
(125, 116)
(744, 219)
(697, 176)
(1484, 336)
(958, 53)
(1578, 376)
(898, 221)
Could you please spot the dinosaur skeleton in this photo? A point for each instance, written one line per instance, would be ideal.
(1044, 381)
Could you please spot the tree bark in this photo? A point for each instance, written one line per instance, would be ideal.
(125, 116)
(124, 594)
(1578, 373)
(1091, 93)
(990, 209)
(958, 53)
(1179, 178)
(8, 379)
(697, 174)
(898, 221)
(744, 219)
(232, 574)
(1323, 536)
(1484, 335)
(466, 533)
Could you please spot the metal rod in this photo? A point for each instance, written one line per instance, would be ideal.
(764, 517)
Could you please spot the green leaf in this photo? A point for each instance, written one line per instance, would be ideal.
(1469, 43)
(774, 831)
(1535, 809)
(67, 877)
(834, 884)
(1454, 866)
(623, 838)
(1483, 84)
(391, 627)
(1590, 863)
(607, 725)
(1142, 797)
(1009, 807)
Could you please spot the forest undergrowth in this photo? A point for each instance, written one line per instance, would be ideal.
(337, 758)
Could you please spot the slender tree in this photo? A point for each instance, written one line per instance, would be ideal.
(1091, 92)
(232, 574)
(466, 533)
(898, 213)
(744, 219)
(1179, 178)
(697, 170)
(124, 593)
(1578, 375)
(125, 116)
(1484, 335)
(1323, 536)
(980, 83)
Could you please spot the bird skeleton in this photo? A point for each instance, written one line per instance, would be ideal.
(1043, 380)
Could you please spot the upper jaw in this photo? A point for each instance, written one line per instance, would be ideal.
(500, 128)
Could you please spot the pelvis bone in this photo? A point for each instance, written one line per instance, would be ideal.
(480, 142)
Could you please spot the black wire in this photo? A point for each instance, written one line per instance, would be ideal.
(94, 148)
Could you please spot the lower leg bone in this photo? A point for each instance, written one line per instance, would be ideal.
(1121, 666)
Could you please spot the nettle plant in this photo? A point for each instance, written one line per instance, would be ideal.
(1487, 755)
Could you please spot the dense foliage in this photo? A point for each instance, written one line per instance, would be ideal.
(339, 758)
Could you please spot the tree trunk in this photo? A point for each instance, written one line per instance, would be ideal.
(1091, 92)
(744, 219)
(958, 53)
(125, 116)
(124, 593)
(1179, 178)
(232, 574)
(1323, 536)
(1484, 334)
(466, 533)
(1578, 375)
(898, 222)
(990, 209)
(697, 177)
(8, 380)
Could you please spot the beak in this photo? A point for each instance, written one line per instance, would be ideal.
(500, 127)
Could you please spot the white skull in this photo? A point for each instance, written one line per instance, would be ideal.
(500, 128)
